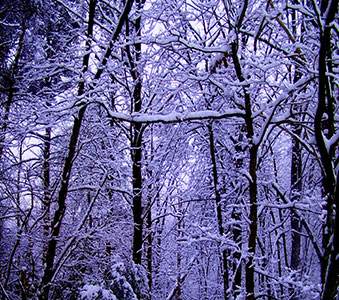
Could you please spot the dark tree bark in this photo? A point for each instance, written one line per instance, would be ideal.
(253, 217)
(66, 173)
(296, 189)
(179, 234)
(58, 215)
(296, 176)
(324, 115)
(8, 87)
(149, 249)
(236, 216)
(136, 146)
(253, 153)
(136, 154)
(151, 198)
(221, 230)
(11, 81)
(46, 183)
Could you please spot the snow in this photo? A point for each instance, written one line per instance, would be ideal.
(176, 87)
(331, 142)
(174, 117)
(90, 291)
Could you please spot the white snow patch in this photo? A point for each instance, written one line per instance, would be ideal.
(91, 292)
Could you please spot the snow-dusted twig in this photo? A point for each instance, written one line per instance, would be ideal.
(63, 257)
(303, 221)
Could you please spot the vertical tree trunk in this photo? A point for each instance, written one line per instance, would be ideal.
(236, 216)
(136, 153)
(325, 109)
(179, 234)
(47, 200)
(250, 280)
(296, 189)
(237, 263)
(11, 89)
(282, 250)
(11, 80)
(253, 153)
(56, 223)
(149, 226)
(296, 176)
(60, 211)
(224, 252)
(330, 287)
(136, 148)
(149, 250)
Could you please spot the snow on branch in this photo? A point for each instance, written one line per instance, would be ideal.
(296, 212)
(173, 117)
(273, 107)
(67, 249)
(332, 142)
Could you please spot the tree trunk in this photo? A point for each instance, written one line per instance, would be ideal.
(253, 153)
(179, 235)
(11, 89)
(47, 200)
(296, 173)
(330, 269)
(152, 195)
(136, 154)
(59, 213)
(136, 148)
(149, 250)
(250, 281)
(49, 270)
(330, 289)
(224, 253)
(49, 255)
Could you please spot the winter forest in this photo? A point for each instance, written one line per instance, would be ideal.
(169, 150)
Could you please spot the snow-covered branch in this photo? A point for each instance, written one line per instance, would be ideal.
(173, 117)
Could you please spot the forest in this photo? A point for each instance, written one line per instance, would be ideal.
(169, 150)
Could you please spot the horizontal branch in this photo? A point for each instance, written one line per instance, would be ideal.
(173, 117)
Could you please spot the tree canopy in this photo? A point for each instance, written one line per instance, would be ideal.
(169, 149)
